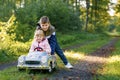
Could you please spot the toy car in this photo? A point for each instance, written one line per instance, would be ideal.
(37, 60)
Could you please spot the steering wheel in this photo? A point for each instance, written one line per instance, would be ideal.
(38, 49)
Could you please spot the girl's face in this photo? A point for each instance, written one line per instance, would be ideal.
(45, 26)
(39, 38)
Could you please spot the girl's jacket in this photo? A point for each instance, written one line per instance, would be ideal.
(43, 44)
(51, 36)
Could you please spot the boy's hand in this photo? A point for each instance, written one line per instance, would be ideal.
(49, 54)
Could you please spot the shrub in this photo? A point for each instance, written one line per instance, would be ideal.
(60, 14)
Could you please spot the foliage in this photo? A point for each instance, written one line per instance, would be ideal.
(6, 9)
(61, 16)
(24, 32)
(9, 48)
(100, 28)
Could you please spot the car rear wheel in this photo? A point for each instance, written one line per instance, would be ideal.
(55, 66)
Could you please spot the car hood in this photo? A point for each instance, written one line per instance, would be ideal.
(35, 56)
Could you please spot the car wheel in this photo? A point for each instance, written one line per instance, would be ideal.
(20, 69)
(55, 65)
(50, 67)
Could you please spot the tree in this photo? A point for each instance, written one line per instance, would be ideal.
(87, 14)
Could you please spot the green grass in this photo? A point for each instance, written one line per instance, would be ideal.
(72, 55)
(66, 40)
(114, 34)
(89, 48)
(14, 74)
(111, 70)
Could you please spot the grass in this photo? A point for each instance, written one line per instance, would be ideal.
(14, 74)
(89, 48)
(114, 34)
(80, 52)
(72, 55)
(111, 70)
(66, 40)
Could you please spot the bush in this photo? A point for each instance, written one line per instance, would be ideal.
(60, 14)
(6, 7)
(9, 48)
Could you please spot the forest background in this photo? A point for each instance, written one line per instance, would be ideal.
(18, 19)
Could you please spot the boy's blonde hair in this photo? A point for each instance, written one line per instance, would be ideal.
(39, 33)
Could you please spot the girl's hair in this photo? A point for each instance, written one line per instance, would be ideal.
(44, 19)
(38, 33)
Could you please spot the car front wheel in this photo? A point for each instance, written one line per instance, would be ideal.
(50, 67)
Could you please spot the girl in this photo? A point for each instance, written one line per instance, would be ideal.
(49, 32)
(40, 43)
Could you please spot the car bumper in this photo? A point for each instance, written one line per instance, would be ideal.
(32, 67)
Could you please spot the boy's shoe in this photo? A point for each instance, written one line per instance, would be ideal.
(69, 66)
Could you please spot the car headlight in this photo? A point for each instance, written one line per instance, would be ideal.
(44, 59)
(21, 59)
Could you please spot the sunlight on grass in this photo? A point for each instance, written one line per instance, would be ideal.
(112, 67)
(74, 55)
(113, 59)
(111, 71)
(113, 33)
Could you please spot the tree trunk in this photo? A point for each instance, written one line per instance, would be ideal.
(87, 14)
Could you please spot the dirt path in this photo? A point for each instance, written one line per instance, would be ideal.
(86, 69)
(6, 65)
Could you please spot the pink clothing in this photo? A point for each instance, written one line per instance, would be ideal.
(43, 44)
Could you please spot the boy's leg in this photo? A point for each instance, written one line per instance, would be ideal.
(60, 53)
